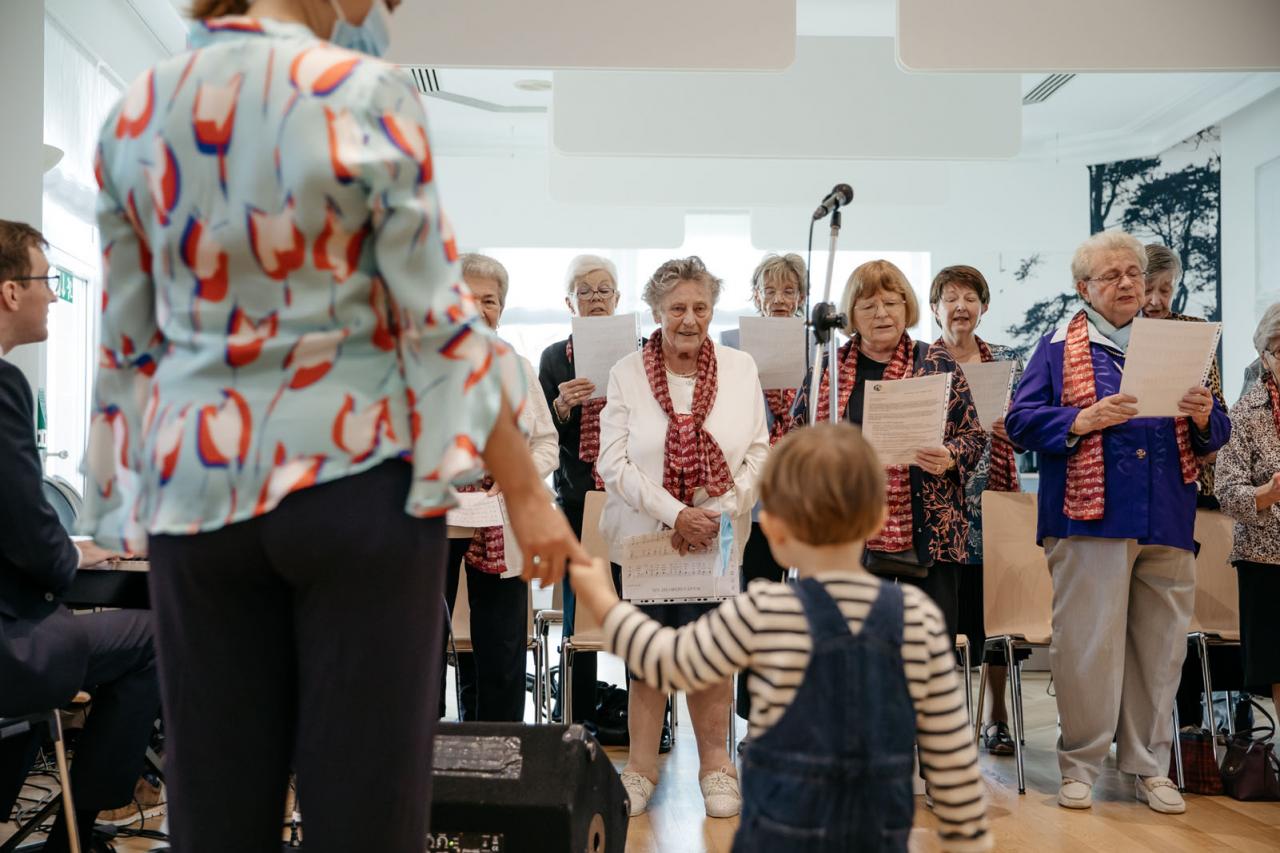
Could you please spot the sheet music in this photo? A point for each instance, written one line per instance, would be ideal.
(654, 573)
(1165, 359)
(475, 509)
(901, 416)
(601, 342)
(991, 383)
(777, 345)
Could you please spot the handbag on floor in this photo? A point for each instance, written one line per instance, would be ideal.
(1250, 769)
(1200, 771)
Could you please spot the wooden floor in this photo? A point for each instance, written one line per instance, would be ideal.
(676, 822)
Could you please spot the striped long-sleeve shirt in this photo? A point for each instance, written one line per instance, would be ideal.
(765, 630)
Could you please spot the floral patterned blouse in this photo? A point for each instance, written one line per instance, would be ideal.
(282, 305)
(978, 474)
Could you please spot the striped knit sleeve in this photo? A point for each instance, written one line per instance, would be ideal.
(689, 658)
(947, 752)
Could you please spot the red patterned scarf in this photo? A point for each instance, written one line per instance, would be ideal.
(1003, 476)
(779, 402)
(691, 459)
(896, 533)
(1086, 471)
(589, 428)
(488, 551)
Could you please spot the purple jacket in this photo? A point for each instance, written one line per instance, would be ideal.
(1146, 499)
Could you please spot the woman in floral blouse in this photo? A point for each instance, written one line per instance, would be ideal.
(927, 523)
(1248, 487)
(292, 379)
(959, 297)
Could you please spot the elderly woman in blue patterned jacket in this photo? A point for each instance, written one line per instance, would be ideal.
(1117, 513)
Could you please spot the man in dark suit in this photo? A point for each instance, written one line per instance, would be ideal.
(46, 653)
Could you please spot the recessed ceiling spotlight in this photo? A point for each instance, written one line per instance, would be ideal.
(533, 85)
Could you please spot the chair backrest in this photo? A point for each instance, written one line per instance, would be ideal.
(461, 620)
(1017, 587)
(586, 628)
(1217, 591)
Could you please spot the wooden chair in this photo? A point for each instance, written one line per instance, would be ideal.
(1017, 597)
(1216, 619)
(23, 726)
(460, 622)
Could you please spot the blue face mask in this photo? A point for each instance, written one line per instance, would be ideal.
(371, 37)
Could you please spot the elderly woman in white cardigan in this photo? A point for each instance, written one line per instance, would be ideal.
(682, 441)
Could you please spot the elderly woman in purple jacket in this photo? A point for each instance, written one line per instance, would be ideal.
(1117, 513)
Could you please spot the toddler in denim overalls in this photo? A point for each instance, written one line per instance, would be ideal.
(829, 766)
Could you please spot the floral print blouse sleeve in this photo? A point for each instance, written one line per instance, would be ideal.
(282, 305)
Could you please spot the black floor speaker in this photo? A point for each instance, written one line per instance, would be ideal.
(516, 788)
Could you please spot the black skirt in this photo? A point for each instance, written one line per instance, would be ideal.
(1259, 627)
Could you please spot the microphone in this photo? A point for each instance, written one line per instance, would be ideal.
(840, 195)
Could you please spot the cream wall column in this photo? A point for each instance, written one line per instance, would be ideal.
(22, 144)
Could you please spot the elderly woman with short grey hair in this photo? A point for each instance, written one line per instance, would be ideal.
(1117, 514)
(491, 678)
(591, 290)
(1248, 488)
(682, 442)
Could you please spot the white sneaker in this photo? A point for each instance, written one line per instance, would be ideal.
(1075, 794)
(721, 795)
(639, 791)
(1161, 794)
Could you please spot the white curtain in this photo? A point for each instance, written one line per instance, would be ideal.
(78, 93)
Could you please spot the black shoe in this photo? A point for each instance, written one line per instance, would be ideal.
(664, 745)
(997, 739)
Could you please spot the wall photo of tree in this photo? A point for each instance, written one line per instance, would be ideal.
(1174, 199)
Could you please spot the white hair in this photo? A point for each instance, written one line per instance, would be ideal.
(1105, 241)
(583, 265)
(483, 266)
(1268, 328)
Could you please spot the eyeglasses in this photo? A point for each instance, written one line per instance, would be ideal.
(785, 293)
(872, 307)
(49, 280)
(603, 294)
(1113, 278)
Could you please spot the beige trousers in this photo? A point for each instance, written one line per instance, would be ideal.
(1120, 617)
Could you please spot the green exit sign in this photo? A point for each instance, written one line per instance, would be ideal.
(65, 288)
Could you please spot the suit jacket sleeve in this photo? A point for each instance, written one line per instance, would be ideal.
(32, 538)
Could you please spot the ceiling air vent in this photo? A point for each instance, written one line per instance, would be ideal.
(1046, 88)
(428, 84)
(425, 79)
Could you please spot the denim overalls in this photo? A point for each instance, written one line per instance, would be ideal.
(834, 773)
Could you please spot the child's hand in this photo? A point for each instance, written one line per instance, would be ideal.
(593, 585)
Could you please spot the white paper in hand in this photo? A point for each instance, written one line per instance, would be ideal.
(1165, 359)
(990, 383)
(777, 345)
(902, 416)
(475, 509)
(601, 342)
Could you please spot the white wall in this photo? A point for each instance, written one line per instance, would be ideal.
(22, 149)
(1250, 140)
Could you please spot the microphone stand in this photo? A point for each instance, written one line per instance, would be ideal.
(823, 322)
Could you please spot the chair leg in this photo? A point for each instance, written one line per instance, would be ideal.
(733, 714)
(1202, 648)
(1231, 715)
(675, 705)
(566, 683)
(982, 700)
(968, 682)
(1177, 750)
(1015, 679)
(64, 776)
(536, 647)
